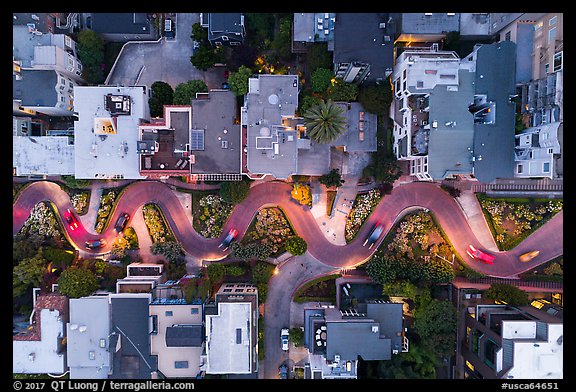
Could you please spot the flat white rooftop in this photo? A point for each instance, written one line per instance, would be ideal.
(43, 155)
(111, 151)
(41, 356)
(228, 339)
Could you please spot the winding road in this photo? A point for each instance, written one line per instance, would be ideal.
(548, 238)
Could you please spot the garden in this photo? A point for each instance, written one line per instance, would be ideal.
(551, 271)
(156, 224)
(322, 289)
(107, 200)
(417, 251)
(269, 228)
(210, 213)
(511, 220)
(362, 207)
(80, 200)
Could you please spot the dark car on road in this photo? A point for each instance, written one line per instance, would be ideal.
(95, 244)
(229, 238)
(121, 222)
(477, 254)
(72, 223)
(374, 235)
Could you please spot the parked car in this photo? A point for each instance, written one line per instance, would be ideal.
(72, 223)
(284, 333)
(374, 235)
(95, 244)
(283, 371)
(229, 238)
(121, 222)
(528, 256)
(477, 254)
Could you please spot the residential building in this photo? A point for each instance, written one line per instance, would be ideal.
(545, 92)
(141, 278)
(272, 131)
(200, 141)
(538, 152)
(43, 22)
(232, 330)
(122, 27)
(41, 349)
(130, 337)
(363, 47)
(45, 70)
(432, 127)
(507, 342)
(336, 339)
(413, 27)
(107, 131)
(225, 29)
(88, 338)
(450, 114)
(42, 155)
(312, 27)
(177, 335)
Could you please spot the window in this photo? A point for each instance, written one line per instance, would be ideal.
(194, 311)
(546, 167)
(508, 36)
(546, 67)
(168, 313)
(181, 364)
(552, 21)
(551, 35)
(558, 61)
(519, 169)
(227, 290)
(550, 151)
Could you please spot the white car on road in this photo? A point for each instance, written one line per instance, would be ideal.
(284, 338)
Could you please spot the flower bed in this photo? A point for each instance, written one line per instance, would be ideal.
(363, 207)
(270, 227)
(157, 227)
(80, 201)
(330, 197)
(210, 216)
(512, 220)
(107, 200)
(42, 221)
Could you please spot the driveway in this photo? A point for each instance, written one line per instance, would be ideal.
(143, 63)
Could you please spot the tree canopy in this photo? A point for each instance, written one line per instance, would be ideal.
(205, 57)
(508, 293)
(28, 273)
(435, 322)
(375, 98)
(343, 91)
(296, 245)
(324, 122)
(185, 92)
(239, 80)
(162, 94)
(91, 54)
(331, 179)
(234, 192)
(320, 79)
(77, 282)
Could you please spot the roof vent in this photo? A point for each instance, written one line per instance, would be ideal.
(273, 99)
(31, 357)
(82, 328)
(375, 328)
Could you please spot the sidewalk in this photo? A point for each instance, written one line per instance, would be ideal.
(471, 208)
(89, 219)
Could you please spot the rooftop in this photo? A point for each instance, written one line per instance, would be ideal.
(361, 129)
(45, 155)
(40, 349)
(221, 22)
(109, 152)
(88, 337)
(216, 116)
(358, 37)
(178, 338)
(229, 339)
(131, 326)
(120, 23)
(429, 23)
(36, 88)
(494, 143)
(272, 146)
(450, 142)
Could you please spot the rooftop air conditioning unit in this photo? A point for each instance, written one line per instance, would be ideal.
(336, 358)
(375, 328)
(382, 25)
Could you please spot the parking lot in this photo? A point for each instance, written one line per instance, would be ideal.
(168, 60)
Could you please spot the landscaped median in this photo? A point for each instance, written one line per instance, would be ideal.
(361, 210)
(511, 220)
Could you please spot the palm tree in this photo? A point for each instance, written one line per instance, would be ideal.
(324, 122)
